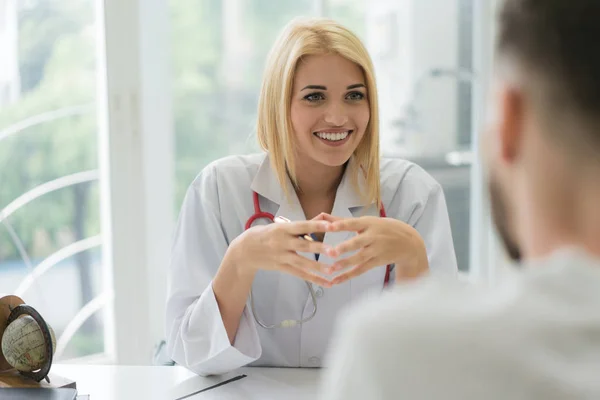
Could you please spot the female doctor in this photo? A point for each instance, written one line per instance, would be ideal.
(244, 290)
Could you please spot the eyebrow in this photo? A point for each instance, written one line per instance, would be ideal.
(356, 85)
(321, 87)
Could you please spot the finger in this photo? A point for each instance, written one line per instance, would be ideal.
(356, 243)
(357, 259)
(306, 275)
(354, 272)
(299, 261)
(320, 217)
(328, 217)
(306, 227)
(306, 246)
(349, 224)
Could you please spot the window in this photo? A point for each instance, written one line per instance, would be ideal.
(49, 201)
(51, 232)
(219, 49)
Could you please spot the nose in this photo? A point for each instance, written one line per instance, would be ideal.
(336, 115)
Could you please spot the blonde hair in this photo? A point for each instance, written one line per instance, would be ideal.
(301, 38)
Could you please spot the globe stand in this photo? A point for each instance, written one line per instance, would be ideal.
(11, 308)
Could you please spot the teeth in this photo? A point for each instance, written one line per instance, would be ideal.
(333, 136)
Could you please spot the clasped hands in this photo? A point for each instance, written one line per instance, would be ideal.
(378, 241)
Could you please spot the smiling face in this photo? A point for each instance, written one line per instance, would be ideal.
(329, 109)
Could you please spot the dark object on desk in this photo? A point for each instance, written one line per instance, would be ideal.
(13, 379)
(236, 378)
(38, 394)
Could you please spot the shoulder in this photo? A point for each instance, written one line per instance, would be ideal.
(236, 168)
(440, 331)
(428, 322)
(406, 187)
(398, 173)
(231, 175)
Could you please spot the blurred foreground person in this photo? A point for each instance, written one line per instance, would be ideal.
(536, 336)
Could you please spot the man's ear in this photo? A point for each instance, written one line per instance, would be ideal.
(511, 123)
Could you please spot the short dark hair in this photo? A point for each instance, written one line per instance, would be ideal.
(557, 43)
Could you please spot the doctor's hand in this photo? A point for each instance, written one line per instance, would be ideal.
(276, 246)
(379, 241)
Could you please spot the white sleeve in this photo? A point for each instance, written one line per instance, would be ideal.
(419, 201)
(196, 336)
(433, 224)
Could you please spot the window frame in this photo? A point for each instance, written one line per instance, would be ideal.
(136, 172)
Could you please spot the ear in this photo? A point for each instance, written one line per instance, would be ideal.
(511, 123)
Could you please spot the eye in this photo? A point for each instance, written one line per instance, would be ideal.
(355, 96)
(314, 97)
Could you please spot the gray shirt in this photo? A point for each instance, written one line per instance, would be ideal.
(535, 336)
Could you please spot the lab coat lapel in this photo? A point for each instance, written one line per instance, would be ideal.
(266, 184)
(291, 209)
(347, 198)
(290, 292)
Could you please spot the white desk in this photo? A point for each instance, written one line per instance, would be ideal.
(104, 382)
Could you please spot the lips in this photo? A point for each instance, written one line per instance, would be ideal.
(333, 136)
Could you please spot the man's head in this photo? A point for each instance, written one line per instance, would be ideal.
(543, 134)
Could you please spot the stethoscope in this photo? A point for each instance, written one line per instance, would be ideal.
(288, 323)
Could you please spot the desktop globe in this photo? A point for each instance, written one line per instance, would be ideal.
(24, 346)
(27, 345)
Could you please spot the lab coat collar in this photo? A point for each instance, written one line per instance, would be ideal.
(265, 183)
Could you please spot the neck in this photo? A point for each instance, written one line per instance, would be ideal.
(318, 180)
(563, 214)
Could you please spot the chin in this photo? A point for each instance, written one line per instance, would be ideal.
(332, 160)
(334, 156)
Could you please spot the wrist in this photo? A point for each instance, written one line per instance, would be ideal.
(236, 257)
(420, 260)
(418, 263)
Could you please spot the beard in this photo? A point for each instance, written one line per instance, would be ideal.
(501, 217)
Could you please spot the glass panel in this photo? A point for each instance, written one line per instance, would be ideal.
(48, 147)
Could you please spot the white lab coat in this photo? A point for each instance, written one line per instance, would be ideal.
(216, 207)
(534, 336)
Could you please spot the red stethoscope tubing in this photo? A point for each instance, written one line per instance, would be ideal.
(258, 214)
